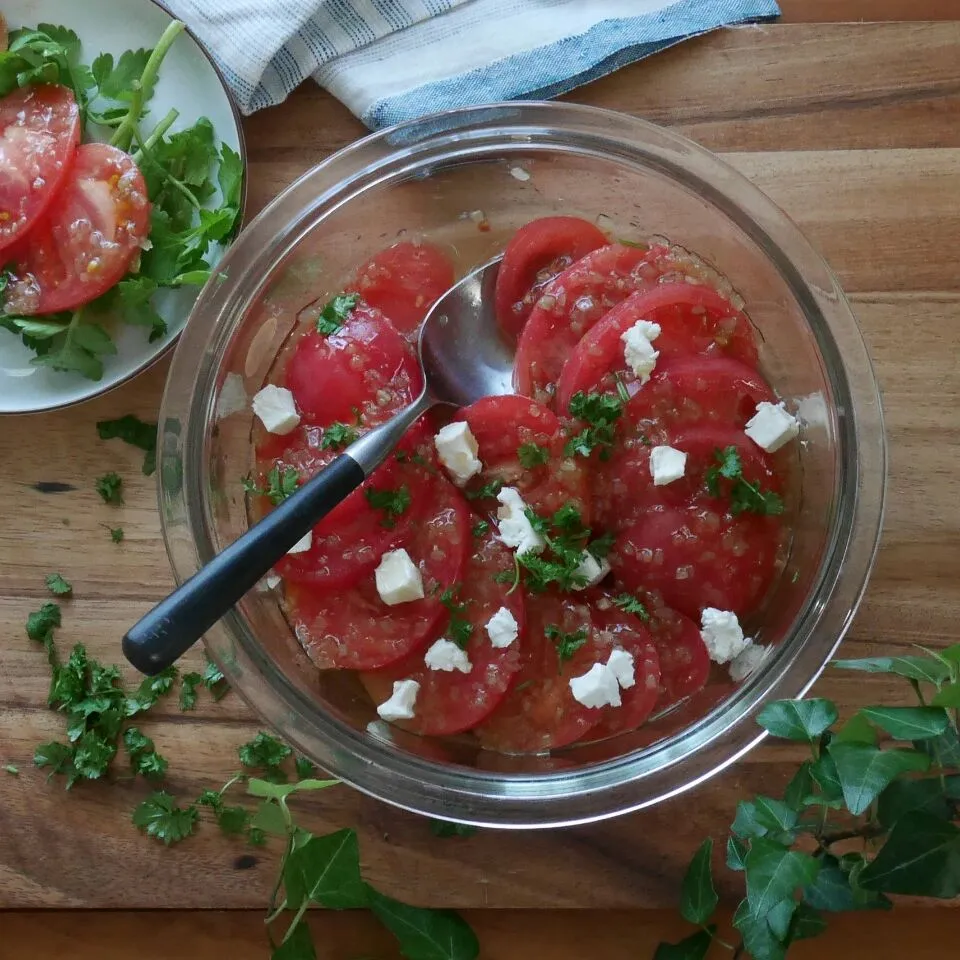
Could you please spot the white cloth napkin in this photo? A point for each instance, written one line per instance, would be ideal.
(393, 60)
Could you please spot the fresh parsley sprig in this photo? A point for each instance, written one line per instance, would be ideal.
(393, 503)
(628, 603)
(567, 644)
(337, 436)
(745, 497)
(336, 313)
(600, 411)
(532, 455)
(281, 482)
(459, 628)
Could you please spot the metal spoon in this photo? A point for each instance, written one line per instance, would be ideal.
(463, 357)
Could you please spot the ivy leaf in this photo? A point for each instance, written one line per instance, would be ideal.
(764, 816)
(758, 938)
(326, 870)
(425, 934)
(807, 923)
(856, 730)
(270, 819)
(297, 946)
(943, 750)
(825, 776)
(948, 696)
(832, 891)
(774, 872)
(799, 788)
(279, 791)
(865, 770)
(924, 669)
(907, 796)
(698, 896)
(160, 816)
(920, 858)
(694, 947)
(802, 720)
(908, 723)
(780, 919)
(736, 851)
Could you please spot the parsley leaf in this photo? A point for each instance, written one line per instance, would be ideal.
(393, 502)
(601, 411)
(745, 497)
(558, 565)
(137, 433)
(337, 436)
(110, 488)
(460, 629)
(58, 586)
(481, 528)
(630, 604)
(161, 818)
(14, 771)
(267, 753)
(116, 534)
(305, 768)
(280, 484)
(490, 489)
(41, 623)
(567, 644)
(188, 690)
(144, 758)
(151, 689)
(335, 313)
(601, 547)
(532, 455)
(214, 681)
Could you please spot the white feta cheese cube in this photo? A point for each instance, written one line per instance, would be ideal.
(502, 628)
(747, 661)
(620, 664)
(272, 581)
(722, 634)
(303, 544)
(457, 449)
(638, 352)
(514, 527)
(771, 426)
(593, 569)
(276, 409)
(445, 655)
(398, 579)
(666, 465)
(402, 701)
(596, 688)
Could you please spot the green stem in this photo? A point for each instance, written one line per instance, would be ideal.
(866, 832)
(297, 917)
(126, 131)
(144, 154)
(155, 136)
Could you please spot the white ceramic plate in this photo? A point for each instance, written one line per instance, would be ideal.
(190, 83)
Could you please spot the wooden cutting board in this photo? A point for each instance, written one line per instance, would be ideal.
(855, 131)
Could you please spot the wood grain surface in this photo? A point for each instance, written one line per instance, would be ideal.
(855, 131)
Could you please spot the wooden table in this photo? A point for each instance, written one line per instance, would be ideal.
(855, 130)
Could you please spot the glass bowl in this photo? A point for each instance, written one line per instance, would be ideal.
(467, 179)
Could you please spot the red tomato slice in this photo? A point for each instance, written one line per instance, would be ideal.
(451, 702)
(366, 367)
(571, 304)
(693, 319)
(87, 240)
(348, 543)
(618, 629)
(405, 281)
(699, 556)
(536, 254)
(684, 661)
(540, 712)
(40, 132)
(356, 629)
(501, 425)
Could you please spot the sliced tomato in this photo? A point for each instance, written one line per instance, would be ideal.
(348, 543)
(87, 239)
(39, 134)
(501, 426)
(355, 629)
(535, 255)
(365, 369)
(540, 712)
(699, 556)
(571, 304)
(684, 661)
(624, 631)
(405, 281)
(451, 702)
(693, 319)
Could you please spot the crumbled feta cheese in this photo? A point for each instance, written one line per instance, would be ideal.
(276, 409)
(620, 664)
(771, 426)
(398, 579)
(638, 352)
(515, 528)
(747, 661)
(518, 173)
(598, 687)
(457, 449)
(401, 702)
(272, 581)
(666, 465)
(722, 635)
(445, 655)
(502, 628)
(232, 398)
(593, 569)
(303, 544)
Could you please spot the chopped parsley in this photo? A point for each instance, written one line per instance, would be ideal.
(393, 503)
(116, 534)
(600, 548)
(12, 770)
(188, 690)
(490, 489)
(144, 758)
(58, 586)
(460, 629)
(337, 436)
(110, 488)
(280, 484)
(622, 391)
(745, 497)
(630, 604)
(481, 528)
(160, 817)
(567, 644)
(532, 455)
(266, 753)
(334, 315)
(601, 411)
(137, 433)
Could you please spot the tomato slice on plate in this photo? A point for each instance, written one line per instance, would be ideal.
(404, 281)
(684, 661)
(535, 255)
(540, 712)
(451, 702)
(699, 556)
(693, 319)
(366, 368)
(355, 629)
(39, 134)
(501, 426)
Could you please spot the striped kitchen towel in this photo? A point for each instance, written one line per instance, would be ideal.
(393, 60)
